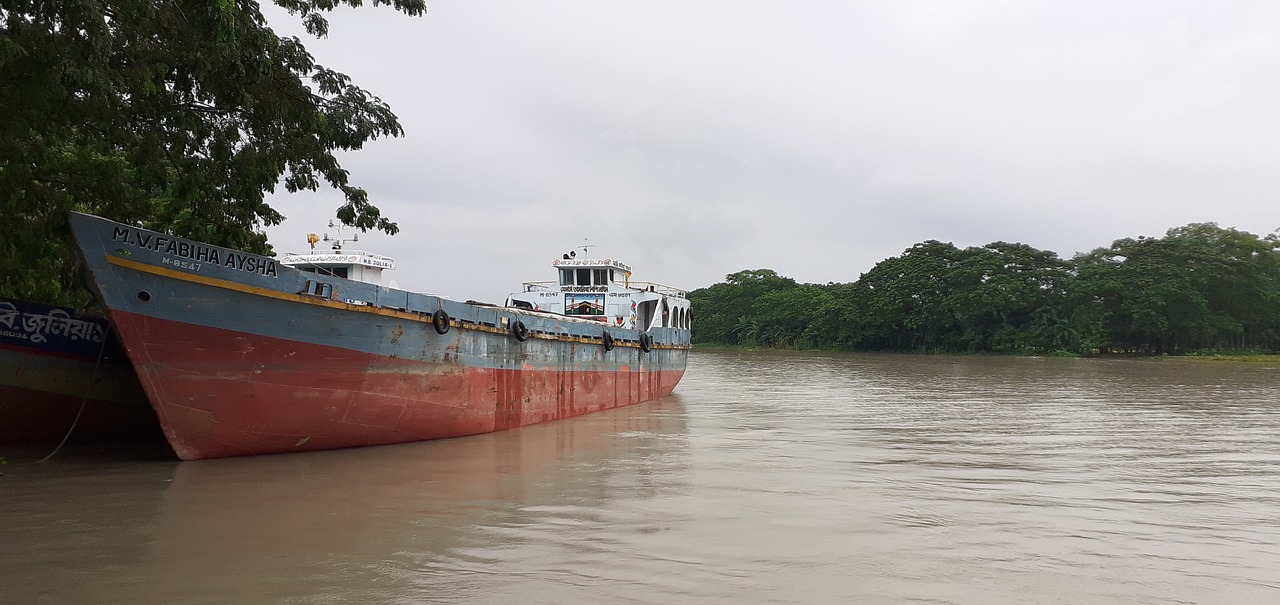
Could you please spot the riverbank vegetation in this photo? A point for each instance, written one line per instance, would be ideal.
(175, 116)
(1199, 289)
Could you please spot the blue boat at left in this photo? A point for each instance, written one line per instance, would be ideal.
(61, 368)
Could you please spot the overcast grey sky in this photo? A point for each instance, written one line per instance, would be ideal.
(696, 138)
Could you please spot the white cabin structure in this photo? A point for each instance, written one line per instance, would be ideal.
(602, 290)
(356, 265)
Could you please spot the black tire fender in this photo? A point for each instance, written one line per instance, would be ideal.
(440, 320)
(520, 331)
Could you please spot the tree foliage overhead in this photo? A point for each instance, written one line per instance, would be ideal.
(176, 115)
(1201, 287)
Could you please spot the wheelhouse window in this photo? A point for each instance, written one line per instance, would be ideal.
(334, 271)
(602, 277)
(584, 277)
(566, 277)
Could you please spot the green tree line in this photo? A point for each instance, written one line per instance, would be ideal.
(1199, 288)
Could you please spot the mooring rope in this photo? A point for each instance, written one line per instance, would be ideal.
(83, 400)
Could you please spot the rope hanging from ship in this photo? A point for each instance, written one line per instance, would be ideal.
(84, 400)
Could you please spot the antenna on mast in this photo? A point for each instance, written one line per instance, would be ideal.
(338, 241)
(585, 246)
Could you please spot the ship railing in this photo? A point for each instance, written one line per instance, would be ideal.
(638, 286)
(353, 252)
(647, 286)
(342, 251)
(540, 286)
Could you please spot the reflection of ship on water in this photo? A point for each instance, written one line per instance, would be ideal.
(376, 524)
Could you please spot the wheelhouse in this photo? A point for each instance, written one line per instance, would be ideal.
(602, 290)
(356, 265)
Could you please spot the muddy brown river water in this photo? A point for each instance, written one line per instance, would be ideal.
(767, 477)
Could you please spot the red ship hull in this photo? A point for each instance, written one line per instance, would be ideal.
(278, 395)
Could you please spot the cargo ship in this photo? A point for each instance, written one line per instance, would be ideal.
(242, 354)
